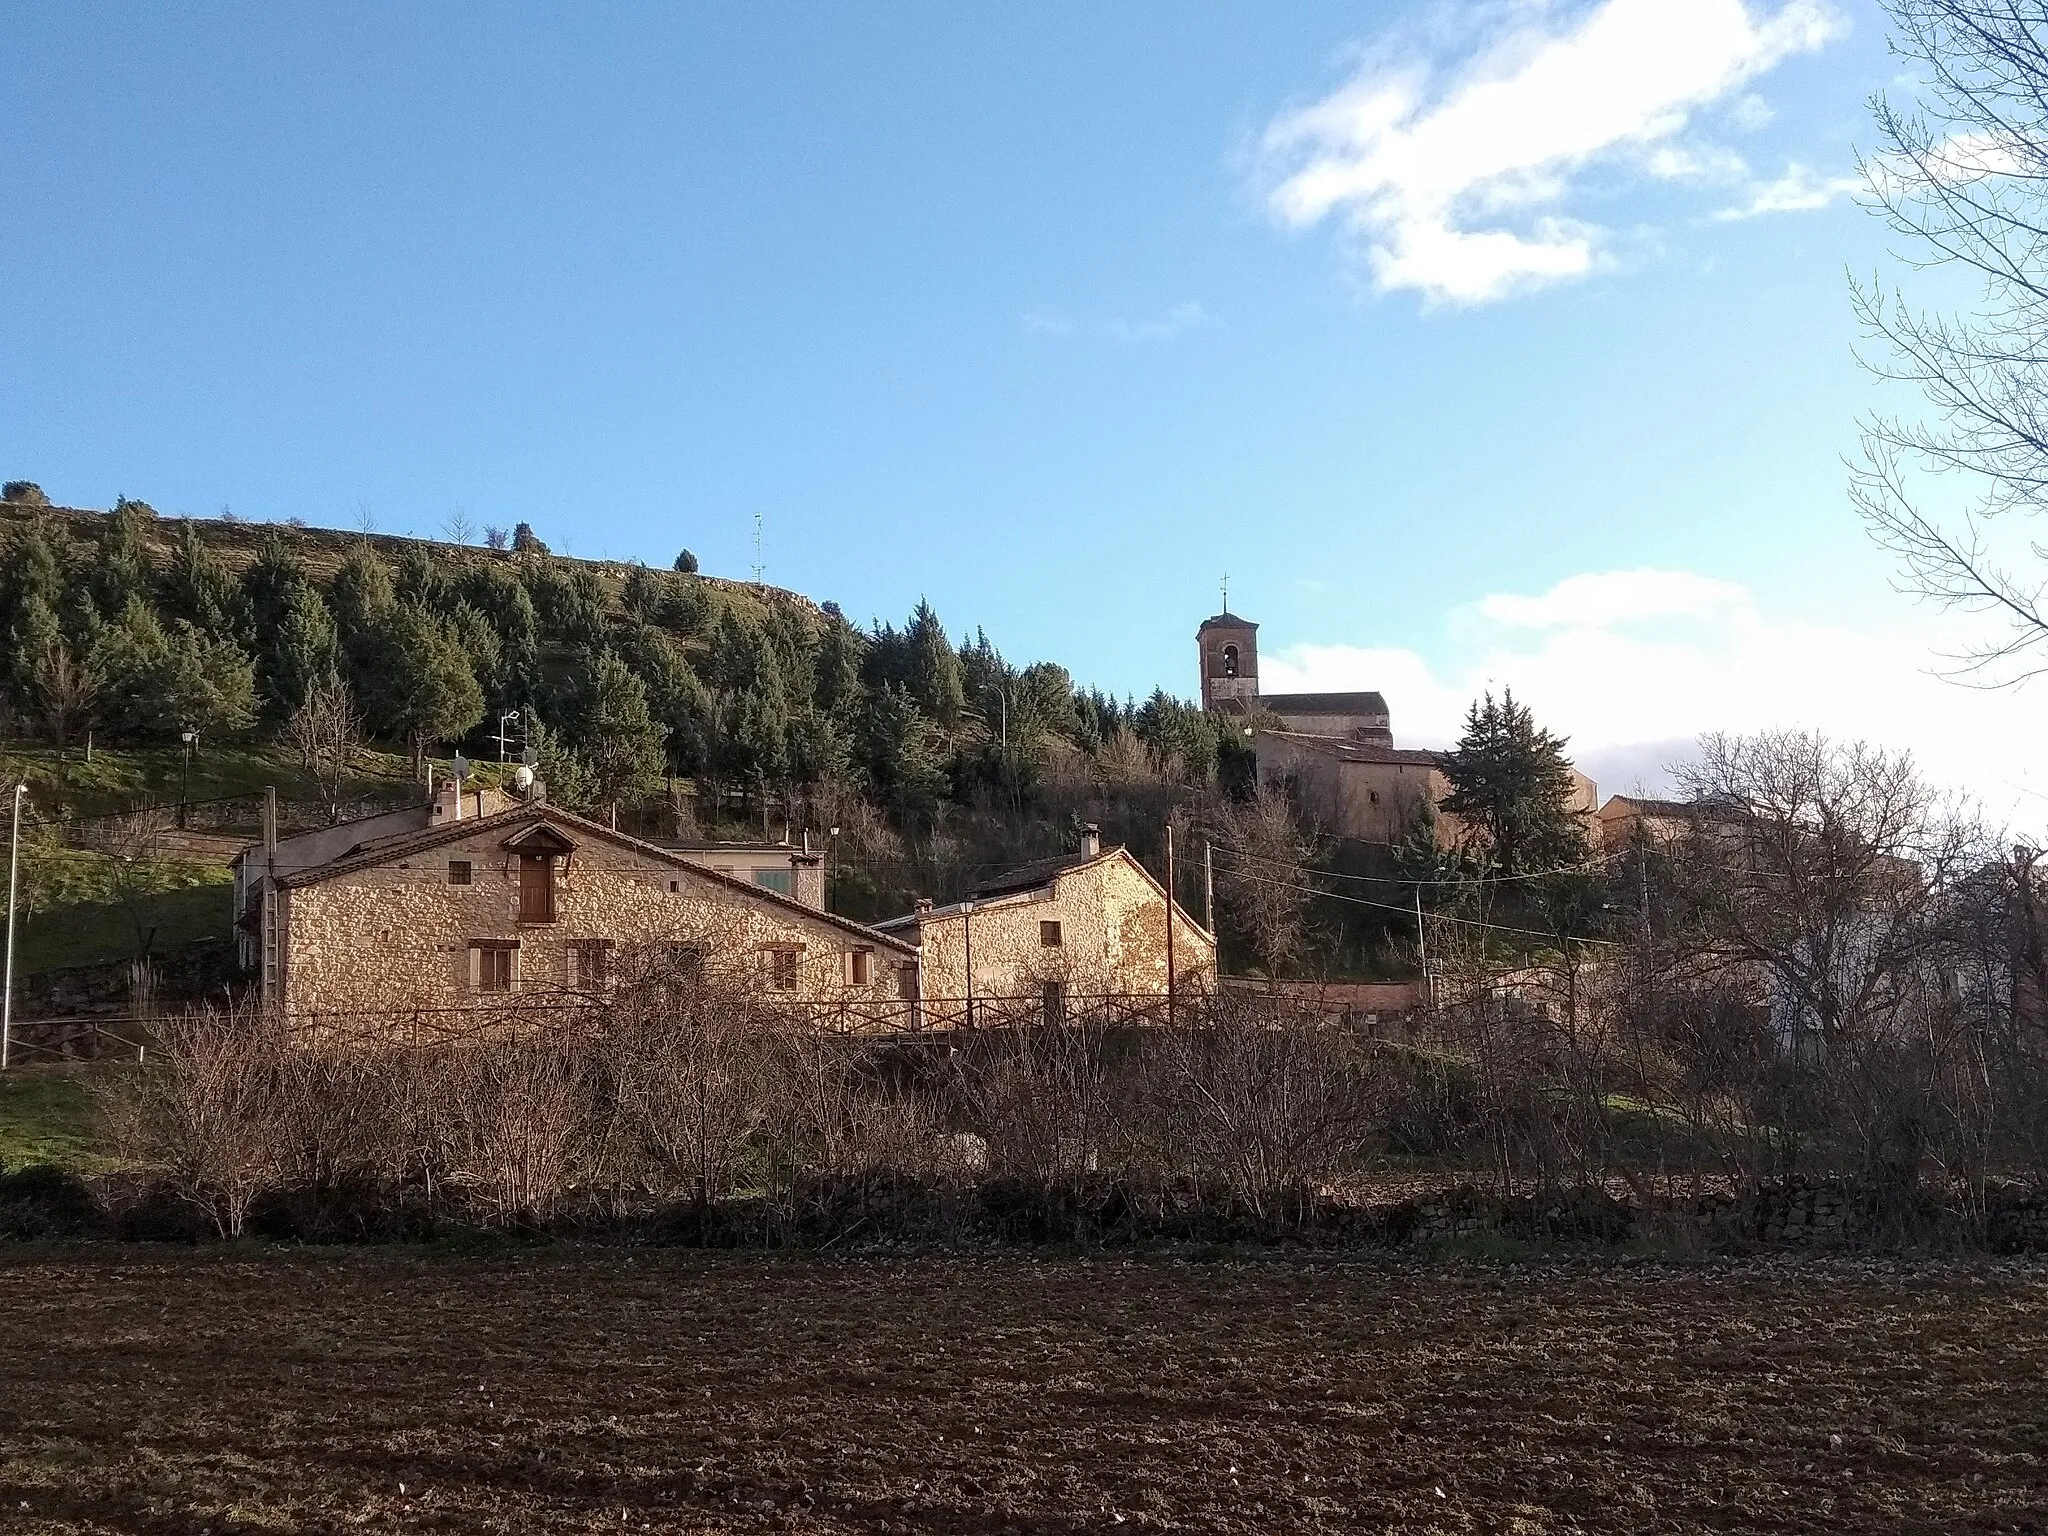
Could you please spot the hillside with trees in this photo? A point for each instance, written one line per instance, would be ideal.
(674, 703)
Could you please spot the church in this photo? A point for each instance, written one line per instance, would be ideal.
(1333, 752)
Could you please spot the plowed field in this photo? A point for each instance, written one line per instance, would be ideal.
(146, 1391)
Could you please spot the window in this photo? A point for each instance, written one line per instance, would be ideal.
(782, 969)
(460, 872)
(590, 964)
(675, 887)
(1054, 998)
(685, 964)
(1375, 796)
(1049, 936)
(781, 881)
(906, 983)
(493, 965)
(536, 888)
(1230, 661)
(860, 966)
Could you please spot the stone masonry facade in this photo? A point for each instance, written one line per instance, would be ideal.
(447, 921)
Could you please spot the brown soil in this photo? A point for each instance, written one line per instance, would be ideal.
(146, 1391)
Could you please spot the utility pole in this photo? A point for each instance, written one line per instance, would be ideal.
(967, 942)
(13, 863)
(1209, 886)
(1170, 904)
(1422, 950)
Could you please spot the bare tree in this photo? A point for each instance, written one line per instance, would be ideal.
(326, 731)
(1265, 888)
(1961, 175)
(66, 688)
(458, 527)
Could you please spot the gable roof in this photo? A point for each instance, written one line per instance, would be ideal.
(1349, 750)
(1325, 703)
(384, 851)
(1037, 875)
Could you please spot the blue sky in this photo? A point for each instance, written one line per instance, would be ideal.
(1456, 334)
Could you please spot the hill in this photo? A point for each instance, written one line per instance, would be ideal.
(675, 702)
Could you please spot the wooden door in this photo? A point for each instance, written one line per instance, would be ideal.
(536, 888)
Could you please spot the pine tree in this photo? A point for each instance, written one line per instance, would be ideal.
(297, 654)
(414, 680)
(614, 734)
(902, 752)
(199, 588)
(124, 568)
(362, 591)
(934, 668)
(1512, 785)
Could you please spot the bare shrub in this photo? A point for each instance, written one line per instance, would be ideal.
(326, 732)
(695, 1060)
(511, 1125)
(1261, 1101)
(209, 1120)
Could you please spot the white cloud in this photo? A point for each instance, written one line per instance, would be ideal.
(1601, 599)
(1453, 180)
(1600, 660)
(1182, 317)
(1799, 190)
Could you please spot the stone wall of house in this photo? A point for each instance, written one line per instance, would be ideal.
(400, 935)
(1112, 940)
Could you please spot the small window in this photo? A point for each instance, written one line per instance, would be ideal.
(493, 964)
(1049, 935)
(906, 983)
(781, 881)
(590, 964)
(782, 969)
(1375, 796)
(675, 887)
(1230, 661)
(460, 872)
(860, 966)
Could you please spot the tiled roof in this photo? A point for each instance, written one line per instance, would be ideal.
(1346, 749)
(1325, 703)
(385, 850)
(1225, 621)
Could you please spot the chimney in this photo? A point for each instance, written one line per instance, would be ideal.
(1091, 840)
(923, 905)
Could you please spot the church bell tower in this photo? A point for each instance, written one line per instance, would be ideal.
(1229, 650)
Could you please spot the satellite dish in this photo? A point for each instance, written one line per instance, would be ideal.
(522, 778)
(461, 766)
(529, 757)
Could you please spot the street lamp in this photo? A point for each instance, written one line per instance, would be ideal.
(7, 988)
(832, 868)
(190, 738)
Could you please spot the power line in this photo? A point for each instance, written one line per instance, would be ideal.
(1330, 874)
(1441, 917)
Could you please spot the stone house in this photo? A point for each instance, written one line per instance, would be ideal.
(1060, 931)
(466, 914)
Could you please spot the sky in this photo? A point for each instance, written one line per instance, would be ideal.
(1489, 344)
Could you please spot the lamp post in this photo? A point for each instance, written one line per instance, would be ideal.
(7, 989)
(189, 738)
(832, 868)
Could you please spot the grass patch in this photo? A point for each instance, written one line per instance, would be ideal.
(48, 1114)
(103, 933)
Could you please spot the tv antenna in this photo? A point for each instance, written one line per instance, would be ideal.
(759, 568)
